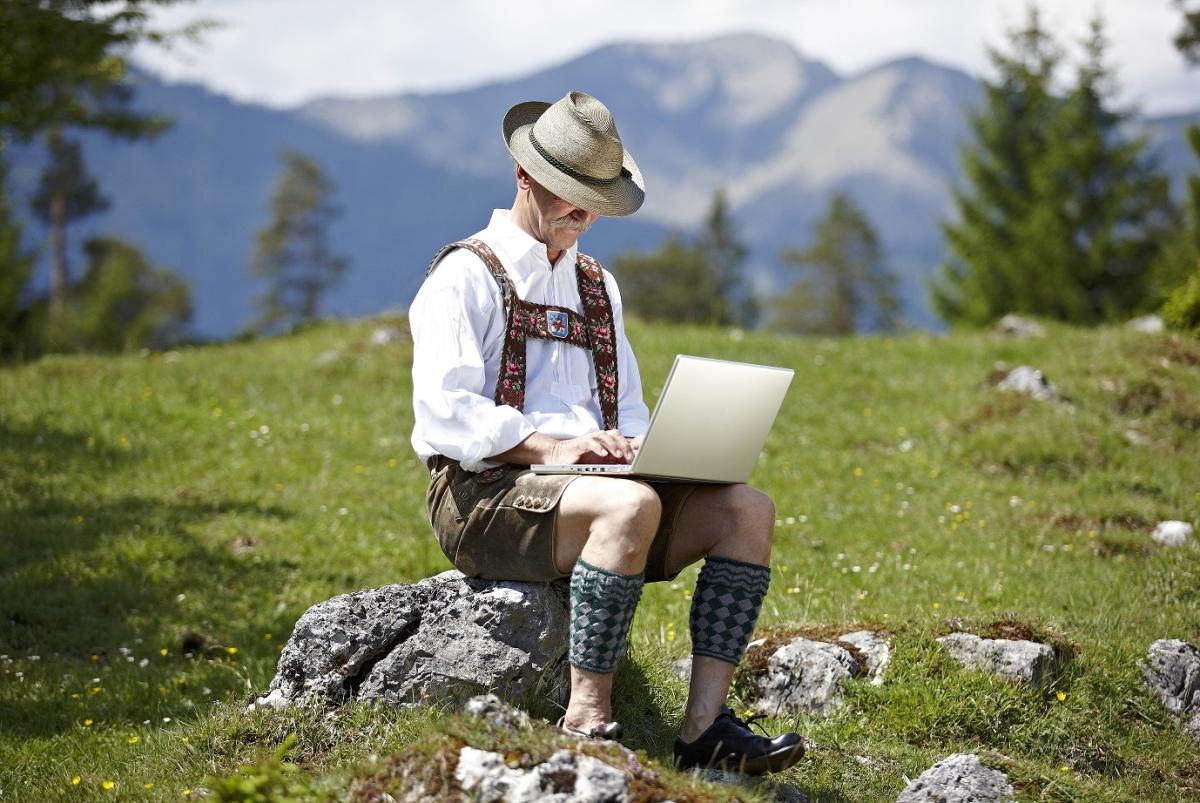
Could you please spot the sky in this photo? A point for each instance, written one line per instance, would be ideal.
(285, 52)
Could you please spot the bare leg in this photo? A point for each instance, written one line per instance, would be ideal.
(610, 523)
(727, 521)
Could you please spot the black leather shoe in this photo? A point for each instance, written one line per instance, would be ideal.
(729, 744)
(612, 731)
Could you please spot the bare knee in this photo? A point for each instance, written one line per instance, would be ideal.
(751, 515)
(629, 516)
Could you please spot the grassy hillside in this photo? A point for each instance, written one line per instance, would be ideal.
(199, 502)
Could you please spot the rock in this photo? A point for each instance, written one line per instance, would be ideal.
(805, 676)
(386, 335)
(1171, 533)
(682, 668)
(327, 358)
(1149, 324)
(961, 778)
(446, 638)
(565, 777)
(485, 774)
(1030, 381)
(874, 649)
(1017, 326)
(1172, 671)
(1191, 727)
(492, 710)
(1026, 661)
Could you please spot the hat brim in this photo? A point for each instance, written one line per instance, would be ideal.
(622, 196)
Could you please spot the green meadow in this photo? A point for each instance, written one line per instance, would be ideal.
(166, 518)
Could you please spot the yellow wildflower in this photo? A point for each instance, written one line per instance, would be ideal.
(231, 650)
(1062, 695)
(107, 784)
(75, 781)
(134, 739)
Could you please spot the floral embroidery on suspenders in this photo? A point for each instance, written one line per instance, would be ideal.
(594, 330)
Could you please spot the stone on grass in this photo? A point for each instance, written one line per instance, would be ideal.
(386, 335)
(565, 777)
(1172, 671)
(1020, 327)
(446, 638)
(682, 668)
(1171, 533)
(805, 676)
(874, 649)
(1148, 324)
(326, 358)
(1191, 726)
(1030, 381)
(1020, 660)
(492, 710)
(961, 778)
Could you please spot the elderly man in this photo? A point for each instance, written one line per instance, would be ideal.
(520, 357)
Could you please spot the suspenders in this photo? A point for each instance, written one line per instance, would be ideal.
(593, 330)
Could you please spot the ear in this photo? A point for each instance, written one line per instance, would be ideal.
(523, 179)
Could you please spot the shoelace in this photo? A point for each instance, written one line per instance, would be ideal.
(746, 723)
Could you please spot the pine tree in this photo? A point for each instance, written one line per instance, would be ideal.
(65, 194)
(123, 303)
(16, 266)
(1072, 228)
(720, 245)
(1187, 41)
(293, 253)
(1010, 134)
(677, 283)
(847, 285)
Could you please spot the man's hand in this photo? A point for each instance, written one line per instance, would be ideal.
(609, 446)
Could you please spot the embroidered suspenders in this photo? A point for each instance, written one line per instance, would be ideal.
(593, 330)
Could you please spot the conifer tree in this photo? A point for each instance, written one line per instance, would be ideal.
(720, 244)
(846, 286)
(16, 266)
(65, 194)
(677, 283)
(1073, 233)
(1010, 132)
(293, 254)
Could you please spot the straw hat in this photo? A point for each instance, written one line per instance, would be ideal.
(572, 148)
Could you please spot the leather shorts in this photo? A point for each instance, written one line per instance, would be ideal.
(499, 524)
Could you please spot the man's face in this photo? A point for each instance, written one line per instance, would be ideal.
(558, 222)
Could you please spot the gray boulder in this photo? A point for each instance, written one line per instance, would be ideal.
(1026, 661)
(874, 649)
(1030, 381)
(961, 778)
(1171, 533)
(1016, 326)
(565, 777)
(446, 638)
(805, 676)
(1172, 671)
(1191, 727)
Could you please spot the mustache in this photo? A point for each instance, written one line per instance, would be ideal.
(570, 223)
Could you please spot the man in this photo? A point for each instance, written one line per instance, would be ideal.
(520, 357)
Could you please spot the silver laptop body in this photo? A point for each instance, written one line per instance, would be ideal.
(709, 425)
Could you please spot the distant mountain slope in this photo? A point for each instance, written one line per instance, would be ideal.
(743, 112)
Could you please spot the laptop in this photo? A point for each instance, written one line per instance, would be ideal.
(709, 425)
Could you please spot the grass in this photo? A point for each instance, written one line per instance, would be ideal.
(166, 518)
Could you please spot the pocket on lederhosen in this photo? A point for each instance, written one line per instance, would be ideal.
(452, 495)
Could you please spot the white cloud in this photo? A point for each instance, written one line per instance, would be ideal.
(283, 53)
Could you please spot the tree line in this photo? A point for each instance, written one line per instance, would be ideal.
(64, 70)
(1063, 212)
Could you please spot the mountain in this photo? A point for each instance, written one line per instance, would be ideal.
(744, 112)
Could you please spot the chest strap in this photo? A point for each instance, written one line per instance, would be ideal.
(593, 330)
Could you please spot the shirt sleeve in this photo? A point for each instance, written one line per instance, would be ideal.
(632, 414)
(456, 322)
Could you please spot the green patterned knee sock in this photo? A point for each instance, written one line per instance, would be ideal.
(602, 606)
(729, 595)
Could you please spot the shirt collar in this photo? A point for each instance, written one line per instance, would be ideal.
(521, 249)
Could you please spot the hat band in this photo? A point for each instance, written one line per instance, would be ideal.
(572, 172)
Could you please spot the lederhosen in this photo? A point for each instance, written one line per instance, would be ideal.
(490, 523)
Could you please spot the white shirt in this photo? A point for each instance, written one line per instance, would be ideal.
(458, 322)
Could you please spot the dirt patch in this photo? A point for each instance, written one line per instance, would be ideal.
(425, 773)
(1140, 397)
(1108, 521)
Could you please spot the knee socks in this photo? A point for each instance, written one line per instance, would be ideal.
(602, 607)
(729, 595)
